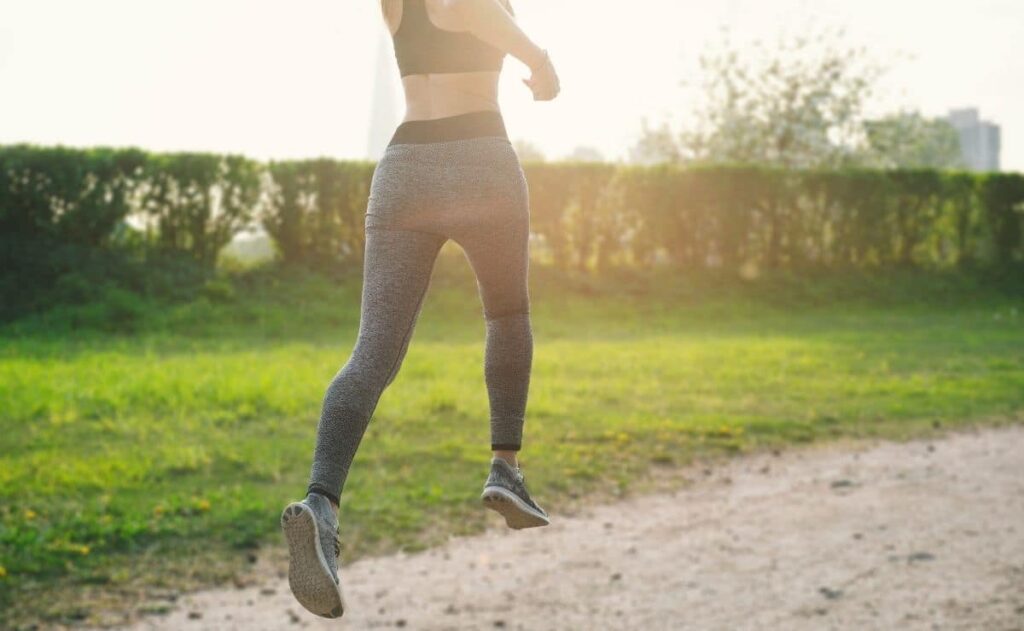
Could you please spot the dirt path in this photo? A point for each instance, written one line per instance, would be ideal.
(920, 535)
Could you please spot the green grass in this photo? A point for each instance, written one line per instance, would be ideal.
(197, 426)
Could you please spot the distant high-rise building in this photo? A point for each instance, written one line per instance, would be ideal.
(384, 112)
(979, 139)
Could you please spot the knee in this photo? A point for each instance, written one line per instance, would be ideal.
(394, 372)
(371, 369)
(521, 312)
(353, 388)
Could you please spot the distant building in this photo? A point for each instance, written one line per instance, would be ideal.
(384, 112)
(979, 139)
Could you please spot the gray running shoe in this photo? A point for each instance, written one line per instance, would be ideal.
(314, 547)
(505, 492)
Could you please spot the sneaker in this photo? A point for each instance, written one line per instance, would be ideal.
(505, 492)
(311, 528)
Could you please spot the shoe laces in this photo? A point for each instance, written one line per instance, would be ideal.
(332, 524)
(520, 475)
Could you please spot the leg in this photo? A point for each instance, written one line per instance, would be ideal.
(500, 260)
(396, 275)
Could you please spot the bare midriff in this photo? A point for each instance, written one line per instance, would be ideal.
(429, 96)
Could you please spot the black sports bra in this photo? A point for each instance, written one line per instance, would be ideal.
(422, 48)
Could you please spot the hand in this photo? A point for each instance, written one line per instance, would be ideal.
(544, 81)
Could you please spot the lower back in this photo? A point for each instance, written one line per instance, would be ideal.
(449, 94)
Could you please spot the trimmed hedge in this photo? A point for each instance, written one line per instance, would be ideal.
(314, 210)
(60, 206)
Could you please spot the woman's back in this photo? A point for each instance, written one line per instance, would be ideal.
(446, 70)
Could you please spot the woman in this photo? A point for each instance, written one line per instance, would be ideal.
(448, 173)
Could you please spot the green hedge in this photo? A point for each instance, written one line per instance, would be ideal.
(314, 210)
(60, 206)
(740, 216)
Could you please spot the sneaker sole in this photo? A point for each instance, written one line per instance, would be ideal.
(309, 576)
(517, 513)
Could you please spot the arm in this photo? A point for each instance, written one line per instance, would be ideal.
(391, 13)
(493, 23)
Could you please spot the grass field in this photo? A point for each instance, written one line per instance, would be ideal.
(133, 435)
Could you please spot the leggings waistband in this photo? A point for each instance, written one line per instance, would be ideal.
(461, 127)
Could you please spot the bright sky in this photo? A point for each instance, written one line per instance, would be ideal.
(274, 79)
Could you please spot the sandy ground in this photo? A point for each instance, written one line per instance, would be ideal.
(921, 535)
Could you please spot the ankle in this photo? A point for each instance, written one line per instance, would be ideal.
(508, 456)
(330, 500)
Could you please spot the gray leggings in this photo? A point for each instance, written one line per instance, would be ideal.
(474, 192)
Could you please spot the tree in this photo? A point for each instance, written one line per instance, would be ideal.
(909, 140)
(655, 146)
(798, 102)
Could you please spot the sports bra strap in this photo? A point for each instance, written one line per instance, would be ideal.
(423, 48)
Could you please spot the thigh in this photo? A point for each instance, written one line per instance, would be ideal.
(396, 275)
